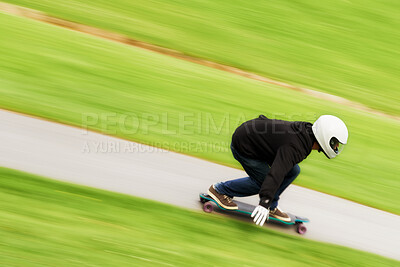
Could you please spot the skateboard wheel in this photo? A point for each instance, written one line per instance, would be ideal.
(208, 207)
(301, 229)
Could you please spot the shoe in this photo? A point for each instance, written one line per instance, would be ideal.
(222, 200)
(279, 214)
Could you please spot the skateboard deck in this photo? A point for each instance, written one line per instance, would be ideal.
(245, 208)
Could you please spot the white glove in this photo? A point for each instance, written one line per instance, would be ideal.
(260, 215)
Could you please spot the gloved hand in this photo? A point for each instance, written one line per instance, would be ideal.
(261, 212)
(260, 215)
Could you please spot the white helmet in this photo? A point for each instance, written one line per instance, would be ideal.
(331, 134)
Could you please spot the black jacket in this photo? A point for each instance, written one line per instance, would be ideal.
(282, 144)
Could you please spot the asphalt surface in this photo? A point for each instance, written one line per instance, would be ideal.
(74, 155)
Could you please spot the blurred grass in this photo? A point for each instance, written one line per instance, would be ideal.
(346, 48)
(50, 223)
(62, 75)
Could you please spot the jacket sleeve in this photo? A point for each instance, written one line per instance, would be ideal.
(285, 159)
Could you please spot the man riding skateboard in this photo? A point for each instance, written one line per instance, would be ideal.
(269, 151)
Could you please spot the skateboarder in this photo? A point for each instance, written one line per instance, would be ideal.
(269, 151)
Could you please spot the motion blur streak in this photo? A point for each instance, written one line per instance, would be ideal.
(37, 15)
(58, 151)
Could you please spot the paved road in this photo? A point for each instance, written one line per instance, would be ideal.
(69, 154)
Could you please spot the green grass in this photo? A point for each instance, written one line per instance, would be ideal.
(61, 75)
(49, 223)
(346, 48)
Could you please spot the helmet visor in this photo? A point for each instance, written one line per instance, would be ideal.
(336, 145)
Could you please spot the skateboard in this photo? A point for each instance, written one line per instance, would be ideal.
(248, 209)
